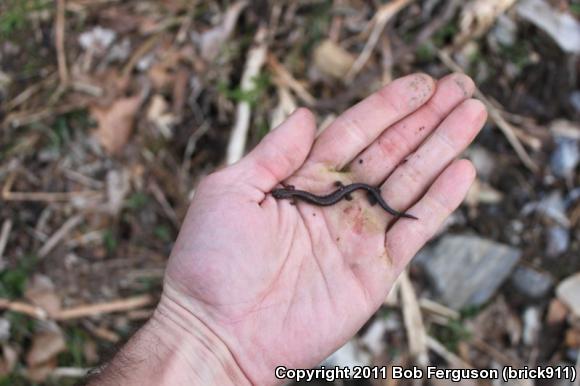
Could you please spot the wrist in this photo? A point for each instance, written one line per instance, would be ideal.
(173, 348)
(199, 352)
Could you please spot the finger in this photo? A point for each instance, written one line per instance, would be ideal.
(281, 152)
(405, 238)
(410, 180)
(377, 161)
(360, 125)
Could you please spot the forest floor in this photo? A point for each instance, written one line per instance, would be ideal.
(111, 111)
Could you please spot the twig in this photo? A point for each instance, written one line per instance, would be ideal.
(53, 241)
(101, 332)
(284, 77)
(495, 115)
(8, 195)
(496, 354)
(254, 63)
(165, 205)
(69, 372)
(104, 308)
(60, 27)
(413, 321)
(30, 91)
(452, 359)
(138, 54)
(5, 233)
(24, 308)
(380, 20)
(24, 118)
(438, 309)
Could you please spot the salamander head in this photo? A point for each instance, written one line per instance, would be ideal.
(281, 193)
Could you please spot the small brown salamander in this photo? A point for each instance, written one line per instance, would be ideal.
(374, 196)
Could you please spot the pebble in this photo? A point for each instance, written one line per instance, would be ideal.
(557, 240)
(565, 157)
(575, 100)
(568, 291)
(531, 283)
(467, 270)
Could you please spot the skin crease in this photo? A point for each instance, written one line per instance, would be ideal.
(283, 284)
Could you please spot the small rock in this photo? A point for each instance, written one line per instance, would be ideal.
(575, 100)
(483, 160)
(532, 325)
(568, 291)
(97, 40)
(373, 338)
(505, 31)
(4, 330)
(551, 206)
(348, 355)
(565, 158)
(558, 239)
(466, 270)
(531, 283)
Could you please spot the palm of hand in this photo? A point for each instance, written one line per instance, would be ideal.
(285, 284)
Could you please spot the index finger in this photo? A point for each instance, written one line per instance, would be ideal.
(359, 126)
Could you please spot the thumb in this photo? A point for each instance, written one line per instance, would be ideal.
(282, 151)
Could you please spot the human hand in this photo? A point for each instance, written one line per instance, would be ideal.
(282, 284)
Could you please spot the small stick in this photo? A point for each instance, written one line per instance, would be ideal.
(53, 241)
(5, 233)
(413, 319)
(452, 359)
(24, 308)
(103, 308)
(60, 29)
(254, 62)
(496, 116)
(286, 78)
(380, 20)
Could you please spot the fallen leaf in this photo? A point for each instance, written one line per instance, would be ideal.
(41, 372)
(211, 41)
(477, 16)
(8, 361)
(331, 59)
(561, 26)
(40, 291)
(115, 123)
(46, 345)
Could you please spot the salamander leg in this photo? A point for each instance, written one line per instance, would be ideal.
(372, 199)
(339, 184)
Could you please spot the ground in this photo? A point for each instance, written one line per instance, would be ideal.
(111, 111)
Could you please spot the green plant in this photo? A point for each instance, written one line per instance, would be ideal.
(236, 94)
(137, 201)
(13, 14)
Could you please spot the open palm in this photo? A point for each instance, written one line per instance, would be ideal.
(287, 284)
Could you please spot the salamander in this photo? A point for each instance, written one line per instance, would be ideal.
(343, 192)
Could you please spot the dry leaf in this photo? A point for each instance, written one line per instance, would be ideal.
(45, 345)
(561, 26)
(115, 123)
(211, 41)
(477, 16)
(40, 291)
(41, 372)
(331, 59)
(8, 361)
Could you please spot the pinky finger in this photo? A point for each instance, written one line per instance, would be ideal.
(406, 237)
